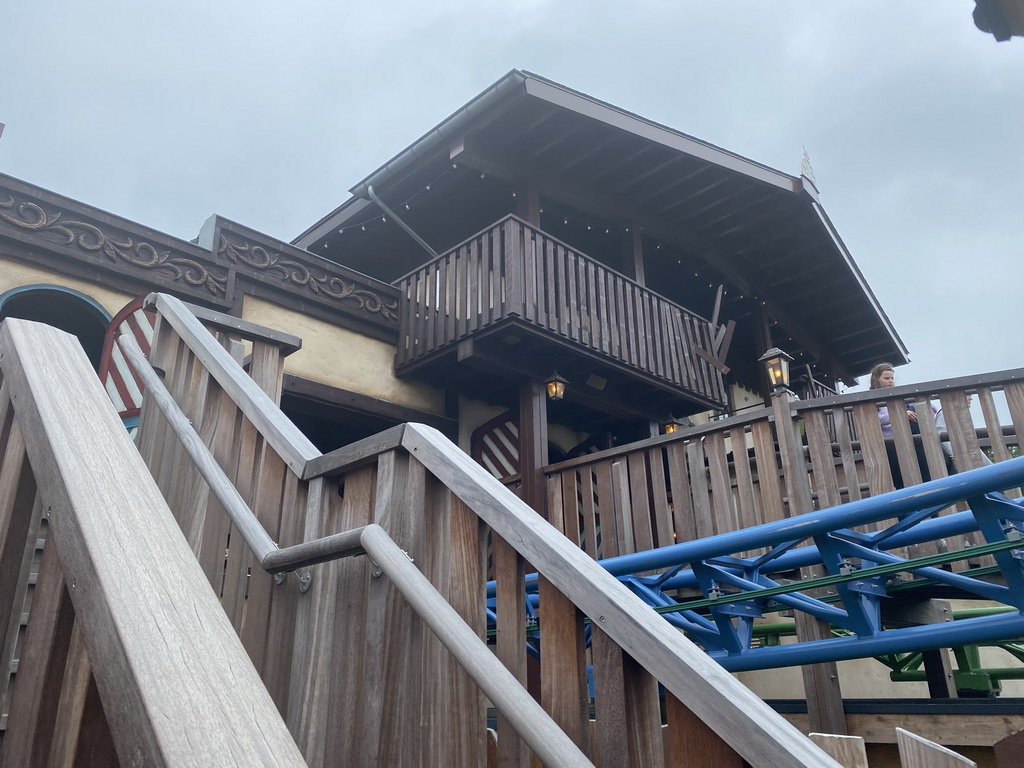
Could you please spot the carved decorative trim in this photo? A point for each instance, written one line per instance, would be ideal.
(294, 273)
(118, 247)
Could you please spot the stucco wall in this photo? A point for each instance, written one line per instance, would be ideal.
(16, 274)
(342, 358)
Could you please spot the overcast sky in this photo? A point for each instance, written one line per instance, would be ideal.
(266, 113)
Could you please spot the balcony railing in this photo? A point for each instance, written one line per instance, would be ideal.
(513, 270)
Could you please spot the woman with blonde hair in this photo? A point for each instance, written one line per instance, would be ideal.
(882, 377)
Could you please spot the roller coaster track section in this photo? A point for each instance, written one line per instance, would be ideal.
(745, 575)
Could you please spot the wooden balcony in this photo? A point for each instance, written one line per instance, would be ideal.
(574, 310)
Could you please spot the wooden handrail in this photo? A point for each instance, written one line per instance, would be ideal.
(289, 442)
(178, 687)
(529, 719)
(740, 718)
(755, 731)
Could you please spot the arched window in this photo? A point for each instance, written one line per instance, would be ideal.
(62, 308)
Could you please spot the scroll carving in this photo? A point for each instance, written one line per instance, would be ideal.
(119, 248)
(295, 273)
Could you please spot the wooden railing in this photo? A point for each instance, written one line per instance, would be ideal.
(350, 655)
(772, 463)
(127, 654)
(512, 270)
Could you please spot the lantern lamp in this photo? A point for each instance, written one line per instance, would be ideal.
(777, 364)
(555, 386)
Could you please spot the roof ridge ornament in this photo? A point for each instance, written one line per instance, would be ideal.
(806, 169)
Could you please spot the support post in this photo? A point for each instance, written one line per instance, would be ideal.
(821, 681)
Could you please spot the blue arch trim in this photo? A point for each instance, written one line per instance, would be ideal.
(95, 305)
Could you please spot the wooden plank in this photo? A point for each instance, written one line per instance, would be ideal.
(604, 311)
(19, 524)
(930, 446)
(286, 438)
(639, 502)
(36, 699)
(690, 743)
(661, 512)
(72, 705)
(404, 510)
(1014, 394)
(605, 508)
(872, 446)
(313, 663)
(821, 681)
(95, 747)
(267, 505)
(682, 504)
(744, 721)
(347, 679)
(791, 454)
(643, 715)
(194, 671)
(848, 751)
(746, 508)
(844, 439)
(468, 597)
(438, 689)
(510, 640)
(703, 511)
(609, 700)
(622, 511)
(587, 481)
(822, 464)
(285, 596)
(903, 439)
(571, 290)
(918, 752)
(992, 423)
(724, 514)
(766, 461)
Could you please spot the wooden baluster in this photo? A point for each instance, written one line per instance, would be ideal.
(685, 525)
(510, 641)
(33, 709)
(690, 743)
(347, 701)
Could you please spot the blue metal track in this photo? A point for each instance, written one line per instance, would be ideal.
(860, 569)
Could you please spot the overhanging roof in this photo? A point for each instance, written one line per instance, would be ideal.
(761, 229)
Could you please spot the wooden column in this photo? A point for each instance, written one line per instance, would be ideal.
(528, 205)
(533, 443)
(633, 255)
(821, 681)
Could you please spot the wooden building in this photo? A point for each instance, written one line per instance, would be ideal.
(536, 236)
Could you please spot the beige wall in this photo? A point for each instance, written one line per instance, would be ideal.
(342, 358)
(15, 274)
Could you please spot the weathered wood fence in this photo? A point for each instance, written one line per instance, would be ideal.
(349, 648)
(772, 463)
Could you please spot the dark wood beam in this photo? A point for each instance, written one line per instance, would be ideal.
(347, 400)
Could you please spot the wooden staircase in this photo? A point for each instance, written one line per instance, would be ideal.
(223, 594)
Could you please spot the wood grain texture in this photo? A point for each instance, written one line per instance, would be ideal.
(751, 728)
(108, 526)
(287, 440)
(848, 751)
(918, 752)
